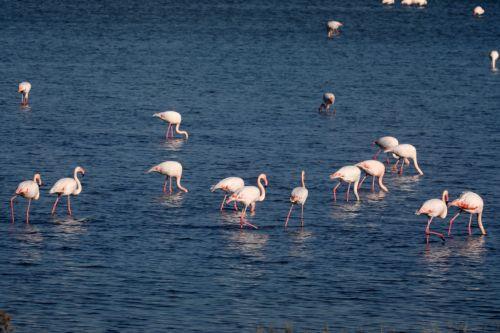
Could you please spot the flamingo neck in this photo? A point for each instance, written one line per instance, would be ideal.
(494, 64)
(416, 165)
(303, 179)
(178, 181)
(78, 184)
(181, 132)
(262, 189)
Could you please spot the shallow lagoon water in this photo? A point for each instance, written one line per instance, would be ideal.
(247, 78)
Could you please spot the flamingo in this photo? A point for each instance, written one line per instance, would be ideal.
(478, 11)
(472, 203)
(375, 169)
(229, 185)
(169, 169)
(333, 28)
(68, 187)
(328, 100)
(24, 88)
(388, 2)
(172, 118)
(405, 152)
(28, 189)
(385, 142)
(349, 174)
(433, 208)
(421, 3)
(407, 2)
(249, 195)
(494, 58)
(299, 196)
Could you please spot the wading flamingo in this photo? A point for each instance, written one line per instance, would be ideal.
(478, 11)
(375, 169)
(333, 28)
(24, 89)
(388, 2)
(299, 196)
(433, 208)
(494, 58)
(169, 169)
(29, 189)
(68, 187)
(229, 185)
(383, 143)
(349, 174)
(471, 203)
(405, 151)
(249, 195)
(172, 118)
(407, 2)
(421, 3)
(328, 100)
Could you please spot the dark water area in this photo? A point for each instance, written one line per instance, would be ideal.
(247, 77)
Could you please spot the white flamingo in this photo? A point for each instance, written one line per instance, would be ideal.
(421, 3)
(29, 189)
(383, 143)
(169, 169)
(375, 169)
(494, 58)
(172, 118)
(407, 2)
(472, 203)
(328, 101)
(68, 187)
(349, 174)
(406, 152)
(388, 2)
(24, 89)
(478, 11)
(433, 208)
(249, 195)
(333, 28)
(229, 185)
(299, 196)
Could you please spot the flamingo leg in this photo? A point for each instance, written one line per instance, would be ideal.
(302, 216)
(335, 191)
(361, 182)
(28, 212)
(347, 194)
(373, 183)
(168, 130)
(401, 170)
(395, 166)
(165, 185)
(171, 131)
(235, 206)
(12, 207)
(376, 154)
(170, 184)
(222, 204)
(387, 160)
(428, 230)
(55, 204)
(470, 223)
(451, 223)
(69, 207)
(288, 216)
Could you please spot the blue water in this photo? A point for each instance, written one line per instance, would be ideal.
(247, 78)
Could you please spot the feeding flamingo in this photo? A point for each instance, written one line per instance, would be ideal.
(406, 152)
(328, 100)
(169, 169)
(333, 28)
(494, 58)
(349, 174)
(249, 195)
(420, 3)
(433, 208)
(472, 203)
(375, 169)
(299, 196)
(229, 185)
(24, 89)
(172, 118)
(478, 11)
(388, 2)
(29, 189)
(68, 187)
(385, 142)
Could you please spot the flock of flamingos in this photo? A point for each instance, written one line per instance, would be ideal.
(236, 191)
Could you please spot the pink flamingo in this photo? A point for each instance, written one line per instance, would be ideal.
(375, 169)
(68, 187)
(299, 196)
(249, 195)
(29, 189)
(385, 142)
(328, 101)
(494, 58)
(471, 203)
(333, 28)
(349, 174)
(433, 208)
(172, 118)
(478, 11)
(169, 169)
(405, 152)
(229, 185)
(24, 89)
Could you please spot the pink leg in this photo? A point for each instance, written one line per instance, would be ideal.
(387, 160)
(235, 206)
(376, 154)
(373, 183)
(12, 207)
(361, 182)
(395, 166)
(55, 204)
(451, 223)
(470, 223)
(28, 212)
(168, 130)
(69, 206)
(335, 191)
(165, 185)
(170, 184)
(288, 216)
(302, 216)
(428, 230)
(347, 194)
(222, 204)
(401, 170)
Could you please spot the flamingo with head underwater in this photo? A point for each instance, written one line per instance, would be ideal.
(349, 174)
(229, 185)
(383, 143)
(472, 203)
(29, 189)
(299, 196)
(328, 101)
(171, 169)
(67, 187)
(494, 58)
(172, 118)
(375, 169)
(405, 152)
(24, 89)
(433, 208)
(333, 28)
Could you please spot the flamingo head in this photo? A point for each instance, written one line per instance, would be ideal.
(156, 168)
(446, 196)
(20, 89)
(38, 179)
(81, 170)
(453, 203)
(264, 178)
(335, 175)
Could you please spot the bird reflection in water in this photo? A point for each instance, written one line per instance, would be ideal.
(346, 210)
(173, 144)
(299, 246)
(248, 242)
(70, 226)
(376, 196)
(173, 200)
(406, 183)
(31, 240)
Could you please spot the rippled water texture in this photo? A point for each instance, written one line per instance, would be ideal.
(248, 78)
